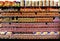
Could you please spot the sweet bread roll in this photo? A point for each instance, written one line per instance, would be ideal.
(51, 33)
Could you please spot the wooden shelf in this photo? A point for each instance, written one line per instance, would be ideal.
(32, 7)
(22, 36)
(41, 6)
(26, 11)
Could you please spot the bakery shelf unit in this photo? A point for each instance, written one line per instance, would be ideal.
(29, 22)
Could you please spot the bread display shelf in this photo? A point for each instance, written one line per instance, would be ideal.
(22, 36)
(29, 14)
(31, 25)
(27, 20)
(29, 29)
(30, 7)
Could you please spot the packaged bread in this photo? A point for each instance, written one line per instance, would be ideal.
(2, 33)
(55, 3)
(13, 3)
(26, 3)
(36, 3)
(1, 3)
(48, 2)
(0, 19)
(44, 2)
(17, 3)
(40, 3)
(22, 3)
(30, 3)
(22, 0)
(33, 3)
(7, 3)
(52, 3)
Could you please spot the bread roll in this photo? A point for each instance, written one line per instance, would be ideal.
(9, 33)
(45, 33)
(51, 33)
(37, 33)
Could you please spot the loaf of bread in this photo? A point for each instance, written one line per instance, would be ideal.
(2, 33)
(8, 33)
